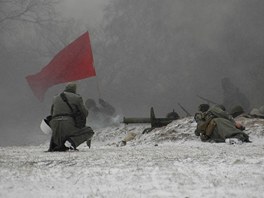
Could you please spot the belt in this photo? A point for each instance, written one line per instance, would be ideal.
(62, 115)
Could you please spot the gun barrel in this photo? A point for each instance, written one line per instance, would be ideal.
(207, 100)
(159, 122)
(147, 120)
(187, 113)
(136, 120)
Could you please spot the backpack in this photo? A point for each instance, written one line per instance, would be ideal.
(205, 123)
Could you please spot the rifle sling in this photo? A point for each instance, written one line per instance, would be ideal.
(65, 99)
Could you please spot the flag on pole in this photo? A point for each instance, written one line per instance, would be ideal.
(74, 62)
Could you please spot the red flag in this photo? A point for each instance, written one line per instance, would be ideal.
(74, 62)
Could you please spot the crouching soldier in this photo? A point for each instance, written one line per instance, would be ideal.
(68, 121)
(216, 125)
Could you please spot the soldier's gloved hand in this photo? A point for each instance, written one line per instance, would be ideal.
(239, 126)
(242, 128)
(204, 137)
(196, 132)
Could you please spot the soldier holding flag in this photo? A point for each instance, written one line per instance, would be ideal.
(67, 134)
(72, 63)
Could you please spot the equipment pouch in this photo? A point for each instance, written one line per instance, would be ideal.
(80, 119)
(210, 128)
(202, 126)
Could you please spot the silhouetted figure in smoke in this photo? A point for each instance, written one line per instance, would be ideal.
(102, 115)
(237, 111)
(232, 96)
(173, 115)
(257, 112)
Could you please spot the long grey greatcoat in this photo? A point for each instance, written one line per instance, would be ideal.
(224, 127)
(63, 125)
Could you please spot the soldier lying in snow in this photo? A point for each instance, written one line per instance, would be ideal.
(216, 125)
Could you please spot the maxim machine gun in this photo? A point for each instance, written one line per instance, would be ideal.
(155, 122)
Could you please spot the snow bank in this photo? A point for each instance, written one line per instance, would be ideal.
(168, 162)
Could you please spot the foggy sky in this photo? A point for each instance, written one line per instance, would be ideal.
(195, 45)
(169, 52)
(87, 12)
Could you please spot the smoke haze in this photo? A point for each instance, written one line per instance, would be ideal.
(147, 53)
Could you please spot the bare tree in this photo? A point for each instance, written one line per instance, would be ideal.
(37, 24)
(29, 11)
(181, 48)
(20, 19)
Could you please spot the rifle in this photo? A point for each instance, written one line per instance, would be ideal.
(187, 113)
(207, 100)
(155, 122)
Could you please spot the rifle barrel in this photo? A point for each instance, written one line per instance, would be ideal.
(207, 100)
(188, 114)
(136, 120)
(147, 120)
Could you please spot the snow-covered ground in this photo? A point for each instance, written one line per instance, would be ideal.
(168, 162)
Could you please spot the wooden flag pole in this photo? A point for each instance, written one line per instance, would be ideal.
(98, 88)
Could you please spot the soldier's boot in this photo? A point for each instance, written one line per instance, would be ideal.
(233, 141)
(70, 145)
(89, 142)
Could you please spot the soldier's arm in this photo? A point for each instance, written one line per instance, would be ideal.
(82, 107)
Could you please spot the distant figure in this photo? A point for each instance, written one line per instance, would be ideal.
(232, 96)
(106, 108)
(102, 115)
(216, 125)
(67, 132)
(257, 112)
(236, 111)
(173, 115)
(91, 106)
